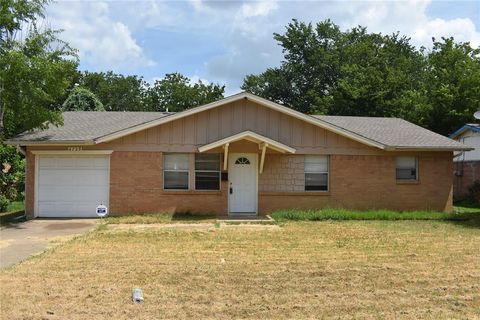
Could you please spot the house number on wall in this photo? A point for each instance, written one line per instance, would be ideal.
(74, 148)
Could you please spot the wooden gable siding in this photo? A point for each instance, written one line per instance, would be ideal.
(189, 133)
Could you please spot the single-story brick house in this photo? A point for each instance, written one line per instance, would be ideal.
(240, 155)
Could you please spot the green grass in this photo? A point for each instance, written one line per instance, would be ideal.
(15, 206)
(460, 214)
(14, 210)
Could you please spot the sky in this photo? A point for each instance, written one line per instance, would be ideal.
(223, 41)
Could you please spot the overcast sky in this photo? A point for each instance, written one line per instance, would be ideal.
(222, 41)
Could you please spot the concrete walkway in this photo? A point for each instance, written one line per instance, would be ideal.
(21, 240)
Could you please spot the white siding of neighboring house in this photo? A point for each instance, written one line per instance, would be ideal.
(471, 139)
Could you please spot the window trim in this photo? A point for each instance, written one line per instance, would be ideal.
(170, 170)
(310, 172)
(219, 174)
(417, 174)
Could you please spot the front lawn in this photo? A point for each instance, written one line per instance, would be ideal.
(149, 218)
(334, 269)
(459, 214)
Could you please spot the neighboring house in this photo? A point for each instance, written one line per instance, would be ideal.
(467, 163)
(239, 155)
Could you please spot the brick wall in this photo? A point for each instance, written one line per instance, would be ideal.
(30, 185)
(282, 173)
(359, 182)
(368, 182)
(136, 186)
(466, 172)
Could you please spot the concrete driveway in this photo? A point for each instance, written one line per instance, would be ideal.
(21, 240)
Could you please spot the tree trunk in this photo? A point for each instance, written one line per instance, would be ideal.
(2, 112)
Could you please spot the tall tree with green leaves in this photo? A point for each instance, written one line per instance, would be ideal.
(116, 92)
(81, 99)
(453, 84)
(36, 67)
(354, 72)
(175, 93)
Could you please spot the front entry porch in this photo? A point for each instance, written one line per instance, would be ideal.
(243, 162)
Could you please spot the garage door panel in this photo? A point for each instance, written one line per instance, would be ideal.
(59, 194)
(64, 209)
(92, 178)
(61, 177)
(54, 193)
(72, 186)
(67, 177)
(91, 162)
(54, 209)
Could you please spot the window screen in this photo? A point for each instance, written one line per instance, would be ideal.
(316, 173)
(406, 168)
(175, 171)
(207, 171)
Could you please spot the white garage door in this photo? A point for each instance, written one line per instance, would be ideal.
(72, 186)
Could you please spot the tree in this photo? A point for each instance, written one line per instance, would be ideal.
(354, 72)
(453, 84)
(35, 68)
(309, 71)
(81, 99)
(175, 93)
(116, 92)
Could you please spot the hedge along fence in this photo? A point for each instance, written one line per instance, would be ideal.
(344, 214)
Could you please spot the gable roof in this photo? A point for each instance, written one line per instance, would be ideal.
(474, 127)
(250, 136)
(99, 127)
(394, 133)
(83, 127)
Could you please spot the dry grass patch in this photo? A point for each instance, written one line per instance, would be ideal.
(350, 269)
(155, 218)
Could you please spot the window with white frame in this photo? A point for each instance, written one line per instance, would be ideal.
(406, 168)
(316, 173)
(175, 171)
(207, 171)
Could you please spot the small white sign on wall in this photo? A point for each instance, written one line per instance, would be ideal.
(102, 211)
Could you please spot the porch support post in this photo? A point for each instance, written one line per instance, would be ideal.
(225, 156)
(262, 158)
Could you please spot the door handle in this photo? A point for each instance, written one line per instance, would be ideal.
(231, 189)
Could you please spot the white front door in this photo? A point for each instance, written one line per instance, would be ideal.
(242, 176)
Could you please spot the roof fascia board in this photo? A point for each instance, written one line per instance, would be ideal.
(244, 95)
(278, 146)
(67, 152)
(459, 148)
(50, 143)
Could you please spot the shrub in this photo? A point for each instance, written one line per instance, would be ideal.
(12, 173)
(344, 214)
(4, 202)
(474, 192)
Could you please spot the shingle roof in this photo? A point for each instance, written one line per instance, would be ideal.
(392, 132)
(89, 125)
(98, 127)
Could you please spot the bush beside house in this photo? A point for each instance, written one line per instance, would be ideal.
(12, 177)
